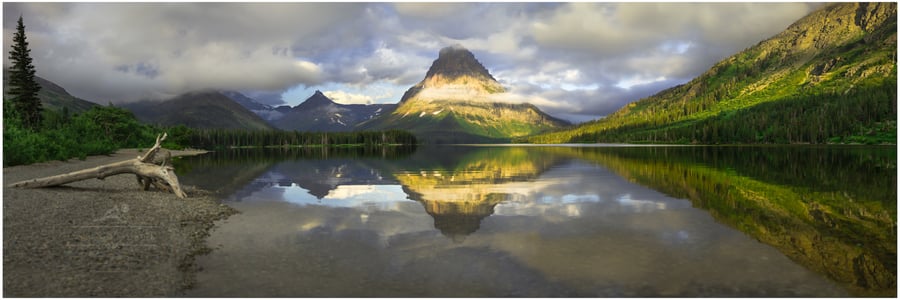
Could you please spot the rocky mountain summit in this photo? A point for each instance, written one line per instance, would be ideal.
(459, 101)
(457, 72)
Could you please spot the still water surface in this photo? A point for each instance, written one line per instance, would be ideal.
(482, 221)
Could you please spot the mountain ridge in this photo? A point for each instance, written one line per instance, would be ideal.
(320, 113)
(266, 112)
(836, 62)
(198, 109)
(54, 97)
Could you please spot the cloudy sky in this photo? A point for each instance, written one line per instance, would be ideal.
(574, 60)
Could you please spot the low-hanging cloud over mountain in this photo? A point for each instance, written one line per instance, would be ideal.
(567, 58)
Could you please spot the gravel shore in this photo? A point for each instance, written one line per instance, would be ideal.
(101, 238)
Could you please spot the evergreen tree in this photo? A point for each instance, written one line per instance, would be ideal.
(23, 87)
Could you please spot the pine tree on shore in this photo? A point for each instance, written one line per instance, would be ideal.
(23, 87)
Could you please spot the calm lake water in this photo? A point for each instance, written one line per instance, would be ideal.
(479, 221)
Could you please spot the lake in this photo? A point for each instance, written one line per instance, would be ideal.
(551, 221)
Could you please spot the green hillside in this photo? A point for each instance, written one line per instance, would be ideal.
(828, 78)
(54, 97)
(466, 121)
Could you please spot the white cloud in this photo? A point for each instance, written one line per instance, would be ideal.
(612, 29)
(537, 100)
(349, 98)
(627, 83)
(428, 10)
(385, 64)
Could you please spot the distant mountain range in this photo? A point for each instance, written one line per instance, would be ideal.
(319, 113)
(202, 109)
(829, 77)
(233, 110)
(452, 104)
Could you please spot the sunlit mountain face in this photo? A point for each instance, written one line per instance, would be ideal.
(460, 101)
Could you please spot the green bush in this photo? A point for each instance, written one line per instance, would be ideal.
(99, 131)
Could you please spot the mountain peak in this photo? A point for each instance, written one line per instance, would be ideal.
(317, 99)
(453, 49)
(458, 72)
(457, 61)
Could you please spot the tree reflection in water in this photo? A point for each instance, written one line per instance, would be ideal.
(830, 209)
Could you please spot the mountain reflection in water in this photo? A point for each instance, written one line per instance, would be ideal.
(830, 210)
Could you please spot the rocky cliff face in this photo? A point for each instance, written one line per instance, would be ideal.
(832, 26)
(457, 72)
(824, 32)
(457, 102)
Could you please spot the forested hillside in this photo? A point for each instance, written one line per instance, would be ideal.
(828, 78)
(54, 97)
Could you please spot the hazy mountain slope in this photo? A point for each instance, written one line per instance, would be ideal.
(54, 97)
(829, 77)
(205, 109)
(267, 112)
(319, 113)
(459, 101)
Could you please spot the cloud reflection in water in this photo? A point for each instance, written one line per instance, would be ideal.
(492, 226)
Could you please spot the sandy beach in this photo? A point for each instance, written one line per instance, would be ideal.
(101, 238)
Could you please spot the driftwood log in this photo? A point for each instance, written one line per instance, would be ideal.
(148, 173)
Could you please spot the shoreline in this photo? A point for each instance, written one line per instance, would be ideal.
(102, 238)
